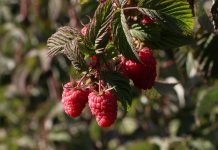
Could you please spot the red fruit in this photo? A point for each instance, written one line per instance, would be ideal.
(130, 68)
(146, 20)
(104, 107)
(143, 74)
(74, 100)
(84, 31)
(93, 61)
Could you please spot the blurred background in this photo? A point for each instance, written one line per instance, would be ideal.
(178, 117)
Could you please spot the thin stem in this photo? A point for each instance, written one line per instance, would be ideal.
(110, 88)
(98, 66)
(99, 85)
(130, 8)
(82, 79)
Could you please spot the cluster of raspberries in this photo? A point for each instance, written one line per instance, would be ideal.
(103, 105)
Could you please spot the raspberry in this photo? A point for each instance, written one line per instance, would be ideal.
(104, 107)
(146, 20)
(142, 74)
(74, 100)
(130, 68)
(84, 30)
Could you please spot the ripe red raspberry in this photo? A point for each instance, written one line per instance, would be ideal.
(104, 107)
(74, 100)
(142, 74)
(130, 68)
(84, 30)
(146, 20)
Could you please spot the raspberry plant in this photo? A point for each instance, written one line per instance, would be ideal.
(115, 48)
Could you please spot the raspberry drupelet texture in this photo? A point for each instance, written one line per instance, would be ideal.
(74, 100)
(142, 74)
(104, 107)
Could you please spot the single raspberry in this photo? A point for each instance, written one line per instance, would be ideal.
(130, 68)
(104, 107)
(74, 100)
(142, 74)
(146, 20)
(84, 30)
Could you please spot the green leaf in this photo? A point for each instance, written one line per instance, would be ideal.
(97, 33)
(110, 51)
(57, 42)
(175, 21)
(141, 145)
(174, 9)
(208, 102)
(122, 38)
(65, 41)
(121, 86)
(74, 55)
(148, 34)
(206, 54)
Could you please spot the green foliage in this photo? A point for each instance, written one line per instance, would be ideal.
(208, 103)
(97, 34)
(121, 86)
(175, 13)
(122, 37)
(75, 56)
(31, 116)
(206, 55)
(141, 145)
(175, 23)
(58, 41)
(148, 33)
(65, 40)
